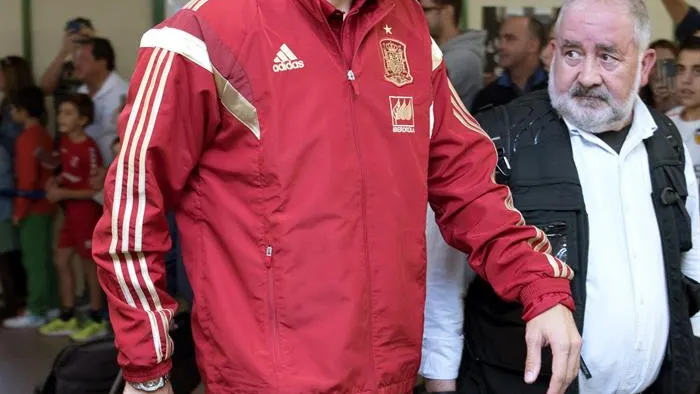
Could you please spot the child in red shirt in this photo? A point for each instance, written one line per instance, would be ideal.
(33, 216)
(79, 157)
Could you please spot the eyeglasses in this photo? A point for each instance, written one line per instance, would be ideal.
(435, 8)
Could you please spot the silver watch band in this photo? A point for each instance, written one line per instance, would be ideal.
(150, 386)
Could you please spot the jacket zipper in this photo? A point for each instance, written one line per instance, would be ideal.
(353, 93)
(271, 303)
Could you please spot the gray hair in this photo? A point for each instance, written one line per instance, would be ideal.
(637, 10)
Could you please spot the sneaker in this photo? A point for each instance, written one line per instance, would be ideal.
(53, 314)
(58, 327)
(89, 331)
(25, 320)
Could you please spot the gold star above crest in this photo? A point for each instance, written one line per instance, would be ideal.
(387, 29)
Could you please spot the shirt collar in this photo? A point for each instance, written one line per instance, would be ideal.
(328, 9)
(110, 83)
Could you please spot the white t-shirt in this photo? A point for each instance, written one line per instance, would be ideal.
(104, 129)
(690, 131)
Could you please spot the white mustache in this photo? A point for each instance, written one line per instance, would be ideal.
(595, 92)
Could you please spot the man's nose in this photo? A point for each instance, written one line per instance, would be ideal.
(590, 73)
(686, 78)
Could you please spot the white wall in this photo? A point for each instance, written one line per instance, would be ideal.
(11, 28)
(121, 21)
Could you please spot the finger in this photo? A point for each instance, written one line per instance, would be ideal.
(560, 356)
(533, 360)
(574, 362)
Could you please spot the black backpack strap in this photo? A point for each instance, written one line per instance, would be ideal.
(668, 174)
(497, 126)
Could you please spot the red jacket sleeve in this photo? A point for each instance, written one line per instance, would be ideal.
(27, 170)
(476, 215)
(170, 115)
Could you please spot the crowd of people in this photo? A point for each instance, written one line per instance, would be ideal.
(46, 173)
(586, 212)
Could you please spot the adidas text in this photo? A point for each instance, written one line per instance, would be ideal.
(288, 66)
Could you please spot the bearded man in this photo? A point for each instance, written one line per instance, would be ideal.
(611, 183)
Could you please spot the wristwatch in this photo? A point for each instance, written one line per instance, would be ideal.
(150, 386)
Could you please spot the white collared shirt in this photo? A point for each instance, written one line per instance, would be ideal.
(107, 99)
(626, 318)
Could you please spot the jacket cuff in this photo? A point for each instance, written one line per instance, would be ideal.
(441, 358)
(144, 374)
(543, 294)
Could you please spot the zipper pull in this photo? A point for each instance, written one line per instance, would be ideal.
(353, 83)
(268, 256)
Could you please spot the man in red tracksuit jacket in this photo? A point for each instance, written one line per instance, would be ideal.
(299, 143)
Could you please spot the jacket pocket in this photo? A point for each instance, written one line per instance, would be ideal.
(271, 301)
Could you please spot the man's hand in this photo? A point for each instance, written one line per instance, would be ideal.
(168, 389)
(15, 221)
(51, 183)
(554, 328)
(53, 192)
(69, 44)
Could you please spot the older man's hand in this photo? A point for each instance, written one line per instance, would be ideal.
(554, 328)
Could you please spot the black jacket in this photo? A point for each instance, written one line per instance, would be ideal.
(502, 91)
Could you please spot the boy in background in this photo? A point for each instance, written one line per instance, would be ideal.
(80, 157)
(33, 216)
(687, 86)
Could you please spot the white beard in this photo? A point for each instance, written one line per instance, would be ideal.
(591, 114)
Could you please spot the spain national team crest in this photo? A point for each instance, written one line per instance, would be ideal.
(396, 68)
(402, 114)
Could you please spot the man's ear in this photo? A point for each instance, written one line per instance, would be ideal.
(648, 61)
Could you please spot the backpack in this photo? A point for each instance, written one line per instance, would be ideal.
(86, 368)
(91, 367)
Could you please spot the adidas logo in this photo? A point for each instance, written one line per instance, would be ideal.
(286, 60)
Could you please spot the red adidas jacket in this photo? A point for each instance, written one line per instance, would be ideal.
(299, 151)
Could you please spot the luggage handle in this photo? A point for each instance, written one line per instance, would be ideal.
(117, 385)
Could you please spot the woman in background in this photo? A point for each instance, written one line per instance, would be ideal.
(658, 93)
(15, 74)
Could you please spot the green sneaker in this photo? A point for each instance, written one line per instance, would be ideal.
(89, 331)
(58, 327)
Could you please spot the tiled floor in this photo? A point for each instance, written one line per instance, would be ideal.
(26, 358)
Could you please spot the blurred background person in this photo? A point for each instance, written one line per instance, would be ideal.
(659, 93)
(685, 18)
(687, 85)
(463, 51)
(520, 43)
(32, 216)
(59, 78)
(95, 66)
(15, 75)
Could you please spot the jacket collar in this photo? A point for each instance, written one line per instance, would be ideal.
(315, 8)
